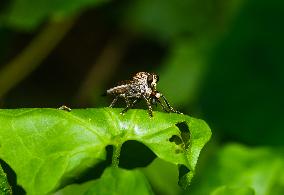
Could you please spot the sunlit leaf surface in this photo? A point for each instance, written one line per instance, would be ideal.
(47, 146)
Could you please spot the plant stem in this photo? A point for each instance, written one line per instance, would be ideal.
(103, 69)
(32, 56)
(115, 155)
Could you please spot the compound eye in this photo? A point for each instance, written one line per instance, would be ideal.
(150, 79)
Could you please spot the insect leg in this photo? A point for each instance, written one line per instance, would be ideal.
(162, 105)
(150, 110)
(153, 101)
(169, 106)
(113, 102)
(134, 102)
(128, 105)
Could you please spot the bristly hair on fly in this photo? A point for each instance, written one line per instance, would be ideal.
(141, 86)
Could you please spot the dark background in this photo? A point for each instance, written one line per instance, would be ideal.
(221, 61)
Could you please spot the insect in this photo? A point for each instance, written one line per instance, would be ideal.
(141, 86)
(65, 108)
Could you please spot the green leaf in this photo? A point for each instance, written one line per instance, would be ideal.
(29, 14)
(113, 181)
(225, 190)
(75, 189)
(163, 177)
(237, 166)
(46, 147)
(5, 188)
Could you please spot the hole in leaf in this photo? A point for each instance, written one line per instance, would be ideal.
(135, 154)
(176, 139)
(185, 133)
(12, 178)
(183, 170)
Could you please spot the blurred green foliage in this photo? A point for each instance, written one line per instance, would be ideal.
(243, 95)
(237, 166)
(224, 190)
(219, 60)
(29, 14)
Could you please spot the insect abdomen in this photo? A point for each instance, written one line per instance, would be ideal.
(117, 90)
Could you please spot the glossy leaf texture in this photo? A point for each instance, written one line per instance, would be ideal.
(113, 181)
(5, 188)
(46, 147)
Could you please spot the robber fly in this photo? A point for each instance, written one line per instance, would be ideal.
(141, 86)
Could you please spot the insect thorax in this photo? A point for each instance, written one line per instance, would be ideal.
(135, 88)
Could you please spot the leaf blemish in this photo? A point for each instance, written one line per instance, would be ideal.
(176, 139)
(185, 133)
(177, 151)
